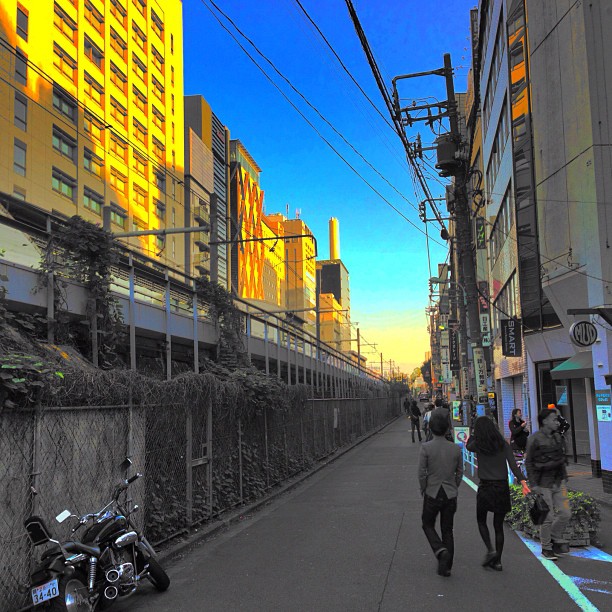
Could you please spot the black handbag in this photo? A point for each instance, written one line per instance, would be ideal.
(539, 510)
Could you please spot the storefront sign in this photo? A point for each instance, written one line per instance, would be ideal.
(561, 393)
(480, 371)
(485, 329)
(604, 405)
(456, 409)
(511, 337)
(481, 233)
(461, 435)
(483, 296)
(583, 333)
(454, 350)
(492, 397)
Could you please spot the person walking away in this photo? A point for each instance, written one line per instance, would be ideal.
(415, 416)
(407, 406)
(440, 474)
(518, 430)
(494, 455)
(545, 462)
(426, 432)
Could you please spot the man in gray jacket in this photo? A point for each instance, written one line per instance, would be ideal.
(440, 474)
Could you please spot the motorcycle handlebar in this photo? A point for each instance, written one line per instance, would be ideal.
(133, 478)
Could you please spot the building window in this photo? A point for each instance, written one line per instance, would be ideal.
(94, 17)
(93, 53)
(92, 163)
(64, 63)
(118, 11)
(118, 112)
(140, 100)
(118, 45)
(118, 181)
(140, 70)
(158, 89)
(157, 25)
(65, 24)
(93, 201)
(140, 132)
(93, 89)
(157, 58)
(18, 193)
(171, 103)
(22, 22)
(140, 164)
(118, 147)
(93, 128)
(63, 184)
(64, 103)
(118, 216)
(21, 67)
(160, 243)
(140, 196)
(138, 225)
(160, 181)
(158, 118)
(118, 78)
(141, 6)
(160, 209)
(19, 157)
(21, 111)
(64, 144)
(158, 149)
(140, 38)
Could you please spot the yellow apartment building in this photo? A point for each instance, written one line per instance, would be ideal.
(331, 320)
(91, 114)
(274, 262)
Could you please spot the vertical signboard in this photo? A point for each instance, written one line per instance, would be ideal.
(485, 329)
(511, 338)
(454, 350)
(481, 233)
(604, 405)
(483, 296)
(480, 370)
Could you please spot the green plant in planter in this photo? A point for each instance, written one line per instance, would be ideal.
(583, 525)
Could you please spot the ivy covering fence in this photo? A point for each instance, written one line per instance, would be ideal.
(205, 446)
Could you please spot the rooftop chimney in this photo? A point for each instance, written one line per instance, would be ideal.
(334, 239)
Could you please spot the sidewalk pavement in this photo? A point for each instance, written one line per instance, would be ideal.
(581, 479)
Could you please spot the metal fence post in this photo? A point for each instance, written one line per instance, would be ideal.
(209, 453)
(266, 448)
(36, 457)
(189, 463)
(240, 473)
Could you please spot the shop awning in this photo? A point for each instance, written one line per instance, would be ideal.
(578, 366)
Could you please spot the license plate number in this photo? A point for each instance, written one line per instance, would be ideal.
(44, 592)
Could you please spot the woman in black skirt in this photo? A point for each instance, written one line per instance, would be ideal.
(494, 455)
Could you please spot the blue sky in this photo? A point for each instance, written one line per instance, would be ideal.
(385, 255)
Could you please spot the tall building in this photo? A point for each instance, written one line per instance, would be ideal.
(91, 114)
(206, 190)
(246, 210)
(333, 278)
(544, 63)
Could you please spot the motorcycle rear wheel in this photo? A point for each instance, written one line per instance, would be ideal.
(157, 575)
(73, 595)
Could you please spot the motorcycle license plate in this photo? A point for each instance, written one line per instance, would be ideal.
(44, 592)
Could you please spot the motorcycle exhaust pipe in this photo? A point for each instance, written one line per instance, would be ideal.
(112, 575)
(111, 592)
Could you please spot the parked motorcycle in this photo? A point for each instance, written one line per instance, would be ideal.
(107, 563)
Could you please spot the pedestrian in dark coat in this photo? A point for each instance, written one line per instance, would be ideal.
(415, 416)
(440, 474)
(518, 430)
(494, 455)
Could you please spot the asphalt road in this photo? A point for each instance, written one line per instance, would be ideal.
(350, 539)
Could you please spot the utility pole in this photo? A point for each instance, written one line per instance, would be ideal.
(462, 214)
(450, 164)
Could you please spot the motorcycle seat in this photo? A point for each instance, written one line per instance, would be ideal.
(94, 551)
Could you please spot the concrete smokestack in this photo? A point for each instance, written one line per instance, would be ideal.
(334, 239)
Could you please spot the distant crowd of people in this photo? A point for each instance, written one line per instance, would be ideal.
(440, 473)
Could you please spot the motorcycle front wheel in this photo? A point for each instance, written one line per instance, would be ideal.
(157, 575)
(73, 595)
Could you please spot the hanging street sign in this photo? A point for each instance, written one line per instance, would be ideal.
(583, 333)
(511, 338)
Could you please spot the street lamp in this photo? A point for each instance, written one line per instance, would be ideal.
(441, 281)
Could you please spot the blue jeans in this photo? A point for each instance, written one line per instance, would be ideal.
(446, 508)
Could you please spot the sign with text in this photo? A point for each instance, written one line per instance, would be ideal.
(483, 296)
(485, 329)
(480, 371)
(583, 333)
(604, 404)
(481, 233)
(461, 434)
(454, 350)
(511, 337)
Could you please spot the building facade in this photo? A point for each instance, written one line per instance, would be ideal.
(92, 114)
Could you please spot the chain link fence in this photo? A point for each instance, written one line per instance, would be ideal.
(198, 462)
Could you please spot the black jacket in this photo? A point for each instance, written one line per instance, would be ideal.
(518, 434)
